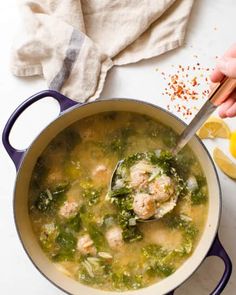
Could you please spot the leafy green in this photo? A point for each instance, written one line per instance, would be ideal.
(124, 280)
(164, 160)
(97, 275)
(49, 199)
(169, 138)
(176, 222)
(160, 270)
(91, 195)
(125, 213)
(66, 243)
(48, 235)
(66, 140)
(73, 224)
(96, 235)
(118, 141)
(198, 197)
(120, 192)
(183, 162)
(158, 265)
(132, 234)
(132, 159)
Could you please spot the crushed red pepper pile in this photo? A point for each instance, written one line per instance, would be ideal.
(184, 87)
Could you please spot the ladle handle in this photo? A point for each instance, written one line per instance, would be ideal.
(222, 91)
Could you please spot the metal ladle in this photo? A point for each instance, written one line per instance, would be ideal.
(217, 96)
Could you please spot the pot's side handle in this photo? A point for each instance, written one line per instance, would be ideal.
(218, 250)
(17, 155)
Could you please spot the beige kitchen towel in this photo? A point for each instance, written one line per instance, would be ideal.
(73, 43)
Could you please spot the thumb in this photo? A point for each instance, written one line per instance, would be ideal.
(227, 65)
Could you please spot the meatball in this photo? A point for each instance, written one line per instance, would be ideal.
(85, 245)
(101, 174)
(114, 237)
(139, 174)
(144, 205)
(68, 209)
(161, 188)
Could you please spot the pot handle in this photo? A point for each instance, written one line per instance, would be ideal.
(15, 154)
(218, 250)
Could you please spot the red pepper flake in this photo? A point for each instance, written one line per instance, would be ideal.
(184, 87)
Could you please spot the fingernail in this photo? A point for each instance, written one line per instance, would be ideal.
(230, 114)
(222, 114)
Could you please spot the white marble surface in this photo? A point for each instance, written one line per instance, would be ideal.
(210, 32)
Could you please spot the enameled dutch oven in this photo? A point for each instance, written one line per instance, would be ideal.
(71, 111)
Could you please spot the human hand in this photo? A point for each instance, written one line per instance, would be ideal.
(226, 66)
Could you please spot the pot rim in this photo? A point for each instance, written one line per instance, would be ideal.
(113, 100)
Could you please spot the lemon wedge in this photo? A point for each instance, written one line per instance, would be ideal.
(232, 144)
(224, 163)
(214, 127)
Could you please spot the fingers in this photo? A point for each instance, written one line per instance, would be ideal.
(227, 66)
(218, 74)
(228, 108)
(231, 112)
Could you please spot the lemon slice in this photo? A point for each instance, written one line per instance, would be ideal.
(214, 127)
(224, 163)
(232, 144)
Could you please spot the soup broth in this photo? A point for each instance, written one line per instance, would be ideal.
(99, 242)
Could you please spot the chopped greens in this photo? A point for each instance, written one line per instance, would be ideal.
(126, 281)
(91, 195)
(199, 196)
(49, 199)
(155, 256)
(177, 222)
(66, 243)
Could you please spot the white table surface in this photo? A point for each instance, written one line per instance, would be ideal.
(211, 30)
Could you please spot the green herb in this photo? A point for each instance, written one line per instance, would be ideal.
(132, 234)
(66, 243)
(50, 199)
(169, 138)
(198, 197)
(124, 280)
(73, 224)
(183, 162)
(119, 192)
(66, 141)
(156, 258)
(96, 235)
(48, 235)
(131, 160)
(160, 270)
(91, 195)
(118, 141)
(175, 221)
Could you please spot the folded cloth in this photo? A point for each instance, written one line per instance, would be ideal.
(73, 43)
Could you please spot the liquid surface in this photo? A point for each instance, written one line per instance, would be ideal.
(90, 237)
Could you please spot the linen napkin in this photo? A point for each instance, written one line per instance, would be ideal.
(73, 43)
